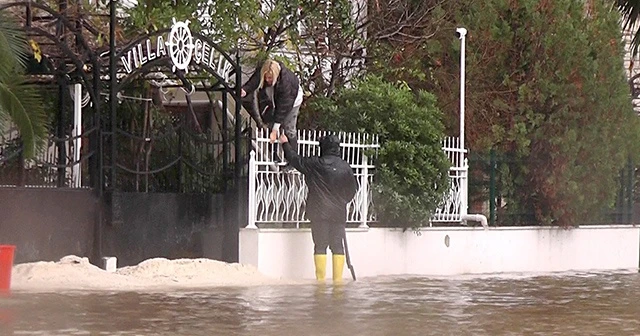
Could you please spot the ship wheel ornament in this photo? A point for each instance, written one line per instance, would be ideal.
(180, 45)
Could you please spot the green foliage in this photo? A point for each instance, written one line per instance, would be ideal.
(411, 174)
(19, 101)
(545, 82)
(546, 87)
(260, 29)
(151, 15)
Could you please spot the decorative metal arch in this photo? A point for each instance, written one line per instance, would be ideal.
(166, 63)
(144, 69)
(122, 76)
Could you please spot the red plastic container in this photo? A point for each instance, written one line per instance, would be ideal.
(6, 265)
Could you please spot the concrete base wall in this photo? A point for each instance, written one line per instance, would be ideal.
(287, 253)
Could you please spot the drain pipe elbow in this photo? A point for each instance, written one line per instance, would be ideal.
(477, 218)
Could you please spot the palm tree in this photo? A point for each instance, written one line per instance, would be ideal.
(630, 10)
(20, 103)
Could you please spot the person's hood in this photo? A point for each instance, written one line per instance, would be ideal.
(330, 145)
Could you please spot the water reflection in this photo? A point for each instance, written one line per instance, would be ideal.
(577, 304)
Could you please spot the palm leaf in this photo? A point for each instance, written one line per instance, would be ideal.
(19, 102)
(13, 52)
(23, 105)
(630, 10)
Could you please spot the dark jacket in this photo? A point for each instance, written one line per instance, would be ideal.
(330, 179)
(285, 92)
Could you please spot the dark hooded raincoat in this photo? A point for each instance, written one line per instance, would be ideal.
(330, 179)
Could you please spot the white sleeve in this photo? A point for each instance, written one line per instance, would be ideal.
(298, 101)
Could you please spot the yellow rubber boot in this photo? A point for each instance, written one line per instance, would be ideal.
(320, 260)
(338, 266)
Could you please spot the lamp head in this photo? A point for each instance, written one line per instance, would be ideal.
(461, 32)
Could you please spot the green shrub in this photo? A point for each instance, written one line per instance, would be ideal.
(411, 167)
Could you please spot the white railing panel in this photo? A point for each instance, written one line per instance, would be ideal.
(454, 201)
(280, 197)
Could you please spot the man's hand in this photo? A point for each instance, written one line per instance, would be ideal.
(273, 136)
(242, 93)
(283, 138)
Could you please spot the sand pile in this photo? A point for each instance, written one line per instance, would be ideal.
(76, 273)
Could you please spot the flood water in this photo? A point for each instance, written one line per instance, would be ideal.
(555, 304)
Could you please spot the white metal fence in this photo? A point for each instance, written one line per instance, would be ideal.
(455, 200)
(44, 164)
(279, 197)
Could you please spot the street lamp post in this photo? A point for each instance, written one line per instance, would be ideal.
(461, 33)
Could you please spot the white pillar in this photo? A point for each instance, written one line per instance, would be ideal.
(77, 131)
(252, 191)
(365, 192)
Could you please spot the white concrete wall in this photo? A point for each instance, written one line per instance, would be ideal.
(287, 253)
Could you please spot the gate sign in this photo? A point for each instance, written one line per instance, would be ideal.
(181, 47)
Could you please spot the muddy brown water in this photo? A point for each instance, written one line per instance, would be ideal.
(552, 304)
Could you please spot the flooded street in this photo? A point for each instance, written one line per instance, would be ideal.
(560, 304)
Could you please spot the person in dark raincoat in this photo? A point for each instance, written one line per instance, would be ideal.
(332, 185)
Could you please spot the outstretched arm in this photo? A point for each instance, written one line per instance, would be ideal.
(253, 82)
(303, 165)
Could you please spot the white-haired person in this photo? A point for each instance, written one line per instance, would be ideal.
(279, 96)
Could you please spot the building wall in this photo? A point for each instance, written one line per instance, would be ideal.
(47, 224)
(170, 225)
(382, 251)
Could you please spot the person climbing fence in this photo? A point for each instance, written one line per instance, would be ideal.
(276, 104)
